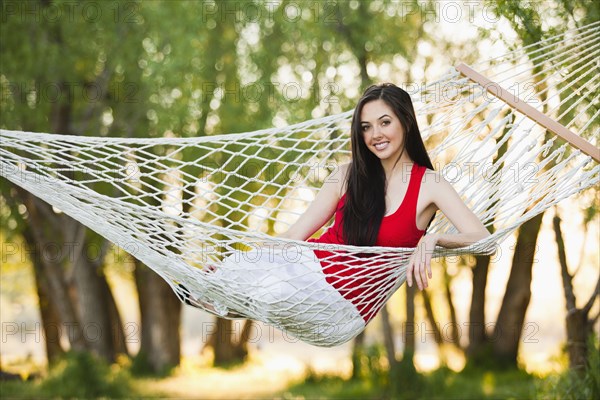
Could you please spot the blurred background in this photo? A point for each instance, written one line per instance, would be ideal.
(81, 318)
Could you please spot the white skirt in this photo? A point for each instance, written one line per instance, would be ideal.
(288, 289)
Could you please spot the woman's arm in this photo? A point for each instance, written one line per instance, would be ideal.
(470, 228)
(449, 202)
(322, 207)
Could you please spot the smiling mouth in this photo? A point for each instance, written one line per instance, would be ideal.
(381, 146)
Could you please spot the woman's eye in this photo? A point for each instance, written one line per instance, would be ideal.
(385, 123)
(365, 127)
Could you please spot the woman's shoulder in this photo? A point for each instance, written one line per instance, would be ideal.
(433, 182)
(431, 175)
(344, 170)
(338, 177)
(339, 172)
(434, 176)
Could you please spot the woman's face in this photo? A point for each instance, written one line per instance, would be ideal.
(381, 129)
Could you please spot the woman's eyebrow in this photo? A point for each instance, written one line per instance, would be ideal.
(366, 122)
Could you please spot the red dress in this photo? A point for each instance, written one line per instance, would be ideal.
(355, 279)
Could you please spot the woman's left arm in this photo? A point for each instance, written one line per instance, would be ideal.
(470, 228)
(449, 202)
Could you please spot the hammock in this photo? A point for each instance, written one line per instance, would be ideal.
(199, 211)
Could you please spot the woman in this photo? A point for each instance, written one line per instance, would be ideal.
(386, 196)
(387, 149)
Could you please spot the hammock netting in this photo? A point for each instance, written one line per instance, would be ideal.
(187, 207)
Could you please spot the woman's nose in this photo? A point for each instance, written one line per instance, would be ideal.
(376, 132)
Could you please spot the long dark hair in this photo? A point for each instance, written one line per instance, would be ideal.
(364, 207)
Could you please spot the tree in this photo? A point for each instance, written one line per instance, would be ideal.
(65, 80)
(579, 324)
(525, 19)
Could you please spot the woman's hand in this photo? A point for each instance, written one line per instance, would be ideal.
(420, 261)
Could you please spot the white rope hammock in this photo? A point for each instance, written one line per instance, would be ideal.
(191, 208)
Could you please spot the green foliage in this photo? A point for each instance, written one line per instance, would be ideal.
(471, 383)
(442, 383)
(82, 375)
(77, 375)
(318, 386)
(371, 364)
(405, 381)
(487, 360)
(531, 22)
(479, 384)
(140, 367)
(575, 385)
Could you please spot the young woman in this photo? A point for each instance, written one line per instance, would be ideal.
(387, 152)
(386, 196)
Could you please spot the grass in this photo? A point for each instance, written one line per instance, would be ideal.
(443, 383)
(77, 375)
(83, 376)
(571, 385)
(440, 384)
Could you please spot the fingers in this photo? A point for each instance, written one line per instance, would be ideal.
(426, 271)
(414, 266)
(409, 270)
(420, 266)
(416, 270)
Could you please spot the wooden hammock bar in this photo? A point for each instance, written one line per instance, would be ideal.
(522, 106)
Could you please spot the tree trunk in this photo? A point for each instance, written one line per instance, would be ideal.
(49, 315)
(160, 312)
(454, 332)
(228, 351)
(478, 347)
(477, 333)
(93, 307)
(437, 334)
(118, 339)
(410, 331)
(577, 337)
(388, 337)
(358, 350)
(579, 327)
(223, 345)
(48, 309)
(507, 332)
(38, 234)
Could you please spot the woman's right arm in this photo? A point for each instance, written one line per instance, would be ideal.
(322, 207)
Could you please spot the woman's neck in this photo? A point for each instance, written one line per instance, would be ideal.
(393, 167)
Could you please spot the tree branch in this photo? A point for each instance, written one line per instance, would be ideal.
(453, 319)
(431, 317)
(388, 337)
(566, 277)
(588, 306)
(582, 250)
(592, 321)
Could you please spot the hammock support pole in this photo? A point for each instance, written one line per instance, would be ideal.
(498, 91)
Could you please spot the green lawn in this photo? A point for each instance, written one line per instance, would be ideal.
(81, 376)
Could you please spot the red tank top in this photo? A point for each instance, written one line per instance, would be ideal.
(349, 275)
